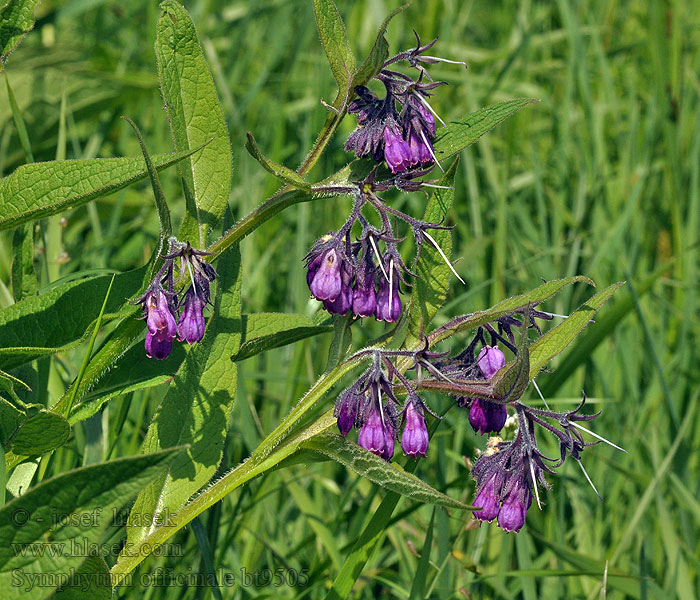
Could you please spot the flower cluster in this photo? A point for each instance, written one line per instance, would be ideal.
(174, 314)
(370, 405)
(509, 473)
(399, 129)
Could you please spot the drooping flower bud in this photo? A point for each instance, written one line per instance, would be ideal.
(414, 440)
(327, 282)
(488, 498)
(346, 409)
(377, 434)
(420, 153)
(191, 325)
(490, 361)
(160, 322)
(343, 302)
(388, 300)
(397, 152)
(511, 516)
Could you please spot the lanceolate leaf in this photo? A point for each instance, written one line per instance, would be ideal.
(41, 189)
(91, 493)
(335, 42)
(196, 409)
(16, 21)
(40, 433)
(430, 289)
(263, 331)
(195, 118)
(459, 134)
(558, 338)
(387, 475)
(282, 173)
(61, 317)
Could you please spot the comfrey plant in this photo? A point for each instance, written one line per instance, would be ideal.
(357, 271)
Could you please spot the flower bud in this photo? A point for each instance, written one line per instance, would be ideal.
(414, 440)
(346, 410)
(396, 151)
(191, 325)
(327, 283)
(386, 311)
(488, 499)
(377, 435)
(490, 360)
(517, 500)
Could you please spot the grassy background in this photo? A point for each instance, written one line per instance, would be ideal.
(601, 178)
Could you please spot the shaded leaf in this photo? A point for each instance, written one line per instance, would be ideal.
(16, 21)
(387, 475)
(90, 581)
(335, 42)
(264, 331)
(91, 492)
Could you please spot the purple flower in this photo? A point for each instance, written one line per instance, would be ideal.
(377, 434)
(327, 283)
(420, 153)
(364, 298)
(517, 499)
(191, 325)
(388, 300)
(414, 440)
(490, 361)
(488, 498)
(343, 302)
(160, 322)
(346, 409)
(397, 152)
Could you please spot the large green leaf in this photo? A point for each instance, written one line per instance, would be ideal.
(264, 331)
(459, 134)
(29, 523)
(195, 118)
(335, 42)
(90, 581)
(558, 338)
(41, 189)
(388, 475)
(61, 318)
(430, 289)
(197, 408)
(16, 21)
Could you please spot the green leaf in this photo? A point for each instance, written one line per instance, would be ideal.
(505, 307)
(40, 433)
(459, 134)
(430, 289)
(341, 343)
(335, 42)
(282, 173)
(129, 373)
(379, 52)
(90, 581)
(24, 282)
(16, 21)
(511, 381)
(387, 475)
(61, 318)
(90, 494)
(558, 338)
(41, 189)
(195, 118)
(196, 410)
(264, 331)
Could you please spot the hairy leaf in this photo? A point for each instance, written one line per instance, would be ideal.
(41, 189)
(197, 408)
(284, 174)
(264, 331)
(89, 493)
(16, 21)
(387, 475)
(61, 318)
(335, 42)
(195, 118)
(90, 581)
(459, 134)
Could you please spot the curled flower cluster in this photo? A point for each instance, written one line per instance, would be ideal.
(509, 473)
(398, 129)
(172, 314)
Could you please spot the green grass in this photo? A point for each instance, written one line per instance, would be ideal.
(601, 178)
